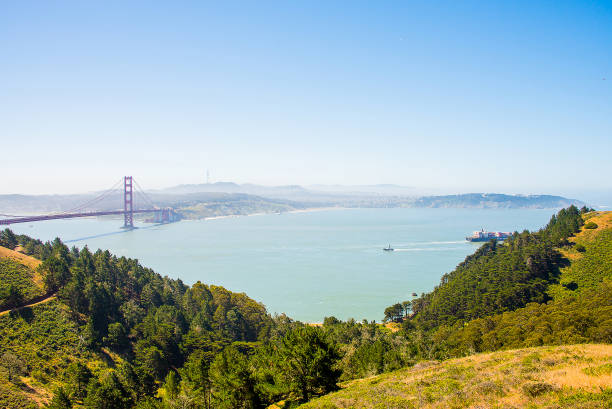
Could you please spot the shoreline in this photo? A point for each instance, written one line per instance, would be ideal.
(309, 210)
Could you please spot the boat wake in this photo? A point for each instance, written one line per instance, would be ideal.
(426, 249)
(441, 242)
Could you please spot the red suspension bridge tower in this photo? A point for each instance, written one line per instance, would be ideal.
(128, 203)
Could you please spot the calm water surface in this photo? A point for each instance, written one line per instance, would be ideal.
(307, 265)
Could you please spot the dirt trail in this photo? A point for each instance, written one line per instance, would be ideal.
(46, 298)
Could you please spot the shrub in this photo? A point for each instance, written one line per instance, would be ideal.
(590, 225)
(537, 388)
(580, 248)
(490, 388)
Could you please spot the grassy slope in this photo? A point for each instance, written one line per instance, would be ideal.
(20, 276)
(577, 376)
(46, 339)
(20, 257)
(588, 268)
(20, 270)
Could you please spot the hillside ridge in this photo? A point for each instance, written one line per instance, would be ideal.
(566, 376)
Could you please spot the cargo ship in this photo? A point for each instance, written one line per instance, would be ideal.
(488, 235)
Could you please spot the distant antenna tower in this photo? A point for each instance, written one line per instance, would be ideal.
(207, 177)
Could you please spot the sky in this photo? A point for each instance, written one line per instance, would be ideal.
(511, 97)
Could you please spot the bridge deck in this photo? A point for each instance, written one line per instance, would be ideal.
(70, 216)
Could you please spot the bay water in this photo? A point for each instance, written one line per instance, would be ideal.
(309, 265)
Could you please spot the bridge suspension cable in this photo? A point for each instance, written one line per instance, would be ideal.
(97, 199)
(145, 197)
(93, 201)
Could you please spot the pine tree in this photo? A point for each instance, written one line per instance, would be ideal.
(60, 400)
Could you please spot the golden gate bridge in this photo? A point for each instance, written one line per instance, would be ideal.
(161, 215)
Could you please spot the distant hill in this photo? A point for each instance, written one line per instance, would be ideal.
(374, 196)
(230, 187)
(497, 200)
(227, 198)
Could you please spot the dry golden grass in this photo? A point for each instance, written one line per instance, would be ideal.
(555, 377)
(27, 261)
(393, 326)
(21, 258)
(603, 221)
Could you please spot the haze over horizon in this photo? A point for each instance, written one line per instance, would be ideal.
(601, 199)
(447, 97)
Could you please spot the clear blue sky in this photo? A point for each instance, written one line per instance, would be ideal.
(458, 95)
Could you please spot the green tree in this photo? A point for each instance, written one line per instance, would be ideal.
(329, 321)
(233, 386)
(78, 376)
(137, 379)
(152, 359)
(394, 313)
(12, 364)
(195, 375)
(171, 385)
(56, 273)
(407, 305)
(307, 361)
(60, 400)
(117, 337)
(108, 393)
(11, 296)
(8, 239)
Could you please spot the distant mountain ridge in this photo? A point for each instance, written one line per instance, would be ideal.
(381, 195)
(231, 187)
(497, 200)
(280, 198)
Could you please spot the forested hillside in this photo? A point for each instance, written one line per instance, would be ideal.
(579, 307)
(118, 335)
(547, 287)
(501, 277)
(113, 311)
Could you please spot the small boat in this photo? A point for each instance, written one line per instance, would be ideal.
(389, 248)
